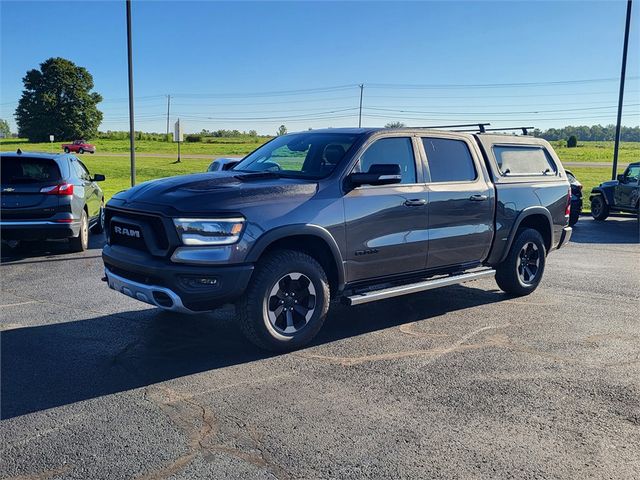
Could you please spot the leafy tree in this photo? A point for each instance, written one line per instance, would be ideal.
(5, 132)
(572, 142)
(394, 125)
(57, 100)
(282, 130)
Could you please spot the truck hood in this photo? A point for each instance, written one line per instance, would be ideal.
(215, 192)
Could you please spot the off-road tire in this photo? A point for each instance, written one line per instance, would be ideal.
(81, 242)
(599, 208)
(253, 307)
(99, 225)
(508, 275)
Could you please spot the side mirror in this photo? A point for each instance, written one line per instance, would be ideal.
(622, 178)
(378, 174)
(98, 178)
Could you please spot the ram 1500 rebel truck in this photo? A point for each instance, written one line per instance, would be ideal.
(355, 214)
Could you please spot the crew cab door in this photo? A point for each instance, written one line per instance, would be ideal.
(386, 225)
(625, 194)
(461, 202)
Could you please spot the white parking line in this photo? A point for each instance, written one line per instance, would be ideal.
(16, 304)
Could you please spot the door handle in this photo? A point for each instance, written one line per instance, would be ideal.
(478, 198)
(415, 202)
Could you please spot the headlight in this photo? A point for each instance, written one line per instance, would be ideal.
(209, 231)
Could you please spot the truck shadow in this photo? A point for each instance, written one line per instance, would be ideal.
(49, 250)
(617, 229)
(62, 363)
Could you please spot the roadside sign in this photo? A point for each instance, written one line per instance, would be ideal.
(177, 132)
(51, 138)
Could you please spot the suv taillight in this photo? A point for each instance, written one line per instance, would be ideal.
(61, 189)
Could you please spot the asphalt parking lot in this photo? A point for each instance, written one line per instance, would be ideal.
(461, 382)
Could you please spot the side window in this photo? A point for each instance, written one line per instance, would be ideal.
(398, 150)
(449, 160)
(633, 174)
(84, 170)
(517, 160)
(78, 170)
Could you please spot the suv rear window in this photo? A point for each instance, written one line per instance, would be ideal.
(28, 170)
(517, 160)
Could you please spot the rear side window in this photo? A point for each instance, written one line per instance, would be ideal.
(28, 170)
(396, 150)
(517, 160)
(449, 160)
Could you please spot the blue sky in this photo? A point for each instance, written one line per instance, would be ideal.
(422, 63)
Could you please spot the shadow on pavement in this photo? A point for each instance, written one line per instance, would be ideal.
(617, 229)
(48, 250)
(59, 364)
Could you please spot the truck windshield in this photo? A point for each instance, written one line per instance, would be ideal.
(301, 155)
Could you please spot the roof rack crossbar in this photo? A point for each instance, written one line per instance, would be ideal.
(524, 129)
(480, 126)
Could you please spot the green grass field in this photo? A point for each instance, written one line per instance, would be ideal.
(116, 169)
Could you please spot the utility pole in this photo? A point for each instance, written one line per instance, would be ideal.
(168, 110)
(616, 145)
(132, 132)
(360, 115)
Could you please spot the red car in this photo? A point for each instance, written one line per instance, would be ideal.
(78, 146)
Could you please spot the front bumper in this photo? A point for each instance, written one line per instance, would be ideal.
(173, 286)
(37, 229)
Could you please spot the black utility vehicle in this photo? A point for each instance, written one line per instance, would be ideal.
(354, 214)
(620, 195)
(576, 198)
(49, 196)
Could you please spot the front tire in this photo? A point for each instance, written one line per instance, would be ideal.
(81, 150)
(66, 150)
(286, 302)
(599, 208)
(81, 242)
(522, 270)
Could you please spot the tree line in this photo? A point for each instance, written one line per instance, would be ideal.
(589, 133)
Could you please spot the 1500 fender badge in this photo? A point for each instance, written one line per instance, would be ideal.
(369, 251)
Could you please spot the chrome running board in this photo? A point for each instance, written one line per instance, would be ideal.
(391, 292)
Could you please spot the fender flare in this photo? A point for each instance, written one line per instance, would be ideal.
(279, 233)
(595, 191)
(527, 212)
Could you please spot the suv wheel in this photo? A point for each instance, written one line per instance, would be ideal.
(286, 302)
(522, 270)
(599, 208)
(81, 242)
(99, 226)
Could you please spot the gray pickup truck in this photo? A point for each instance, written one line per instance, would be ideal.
(352, 214)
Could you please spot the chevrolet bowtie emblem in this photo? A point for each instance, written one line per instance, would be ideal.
(8, 189)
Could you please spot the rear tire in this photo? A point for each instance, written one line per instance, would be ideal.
(81, 242)
(99, 226)
(599, 208)
(522, 270)
(286, 301)
(573, 218)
